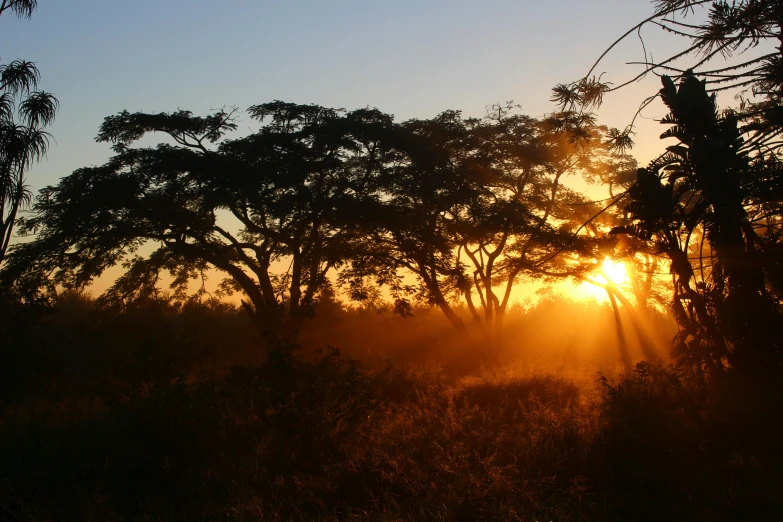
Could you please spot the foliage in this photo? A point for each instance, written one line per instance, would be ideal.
(286, 187)
(743, 28)
(713, 210)
(326, 438)
(674, 446)
(463, 205)
(711, 202)
(22, 8)
(476, 205)
(24, 114)
(300, 441)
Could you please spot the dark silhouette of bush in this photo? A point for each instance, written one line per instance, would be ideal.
(172, 448)
(77, 349)
(673, 446)
(137, 413)
(289, 439)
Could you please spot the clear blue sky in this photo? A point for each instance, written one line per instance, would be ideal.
(408, 58)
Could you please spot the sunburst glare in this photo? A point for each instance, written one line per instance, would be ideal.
(613, 271)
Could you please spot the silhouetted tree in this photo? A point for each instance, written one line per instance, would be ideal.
(744, 28)
(527, 163)
(470, 206)
(267, 210)
(423, 188)
(708, 190)
(24, 114)
(711, 203)
(430, 209)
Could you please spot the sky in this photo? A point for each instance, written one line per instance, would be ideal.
(408, 58)
(412, 59)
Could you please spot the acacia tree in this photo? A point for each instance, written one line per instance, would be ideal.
(423, 187)
(284, 190)
(471, 205)
(527, 162)
(24, 114)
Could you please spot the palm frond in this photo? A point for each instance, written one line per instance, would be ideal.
(19, 77)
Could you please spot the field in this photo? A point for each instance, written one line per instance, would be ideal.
(106, 419)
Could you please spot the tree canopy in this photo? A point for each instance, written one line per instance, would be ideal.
(285, 188)
(432, 210)
(478, 206)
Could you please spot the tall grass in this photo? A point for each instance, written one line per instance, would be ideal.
(173, 435)
(291, 440)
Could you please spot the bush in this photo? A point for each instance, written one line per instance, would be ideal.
(119, 416)
(676, 447)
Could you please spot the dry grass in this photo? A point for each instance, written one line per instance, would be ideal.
(294, 439)
(300, 441)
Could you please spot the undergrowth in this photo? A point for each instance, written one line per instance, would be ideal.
(159, 433)
(328, 440)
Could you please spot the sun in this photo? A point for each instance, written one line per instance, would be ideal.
(614, 271)
(593, 286)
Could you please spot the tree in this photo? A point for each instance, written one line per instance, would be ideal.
(527, 162)
(422, 188)
(706, 188)
(269, 210)
(470, 206)
(24, 114)
(746, 28)
(711, 203)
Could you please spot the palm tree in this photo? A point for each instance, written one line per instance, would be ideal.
(705, 203)
(24, 114)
